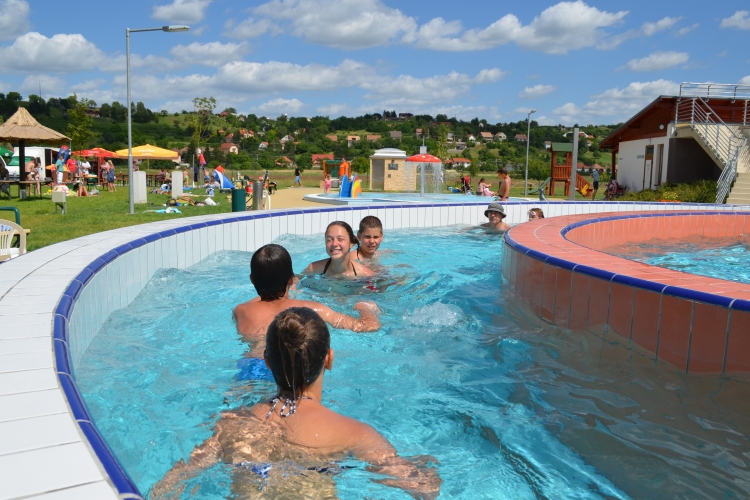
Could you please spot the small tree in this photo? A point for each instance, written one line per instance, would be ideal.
(441, 151)
(202, 118)
(360, 164)
(79, 127)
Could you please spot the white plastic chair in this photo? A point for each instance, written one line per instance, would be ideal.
(60, 200)
(7, 231)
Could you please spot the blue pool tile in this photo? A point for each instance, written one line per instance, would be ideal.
(121, 480)
(109, 256)
(64, 306)
(96, 265)
(62, 359)
(741, 305)
(138, 243)
(77, 406)
(150, 238)
(595, 272)
(695, 295)
(74, 289)
(85, 275)
(60, 328)
(122, 249)
(639, 283)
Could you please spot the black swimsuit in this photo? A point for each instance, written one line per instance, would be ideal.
(329, 263)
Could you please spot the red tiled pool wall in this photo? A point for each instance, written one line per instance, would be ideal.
(689, 334)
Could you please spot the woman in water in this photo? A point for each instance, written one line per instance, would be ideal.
(340, 240)
(286, 446)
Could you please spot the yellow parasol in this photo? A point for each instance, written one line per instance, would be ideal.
(148, 152)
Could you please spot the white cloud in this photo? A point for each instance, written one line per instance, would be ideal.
(344, 24)
(739, 20)
(51, 85)
(209, 54)
(489, 75)
(657, 61)
(88, 85)
(615, 104)
(116, 64)
(687, 29)
(409, 90)
(279, 106)
(558, 29)
(181, 11)
(650, 29)
(647, 29)
(249, 28)
(14, 18)
(745, 80)
(536, 91)
(35, 53)
(335, 110)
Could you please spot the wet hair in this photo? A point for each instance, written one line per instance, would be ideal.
(481, 179)
(502, 171)
(352, 239)
(370, 222)
(538, 212)
(270, 271)
(297, 342)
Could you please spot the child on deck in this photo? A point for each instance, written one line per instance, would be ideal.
(370, 236)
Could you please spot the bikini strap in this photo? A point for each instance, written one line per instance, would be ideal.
(326, 268)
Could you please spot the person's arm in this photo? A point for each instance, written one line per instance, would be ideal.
(202, 457)
(368, 320)
(414, 475)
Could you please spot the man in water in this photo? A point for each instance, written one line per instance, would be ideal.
(370, 236)
(495, 213)
(503, 190)
(272, 276)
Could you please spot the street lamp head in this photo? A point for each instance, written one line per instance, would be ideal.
(175, 28)
(532, 111)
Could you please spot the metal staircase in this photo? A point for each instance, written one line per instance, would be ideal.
(727, 144)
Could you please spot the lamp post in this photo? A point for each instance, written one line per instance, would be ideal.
(528, 133)
(128, 31)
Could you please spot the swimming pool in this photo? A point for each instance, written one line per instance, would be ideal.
(723, 258)
(369, 198)
(459, 371)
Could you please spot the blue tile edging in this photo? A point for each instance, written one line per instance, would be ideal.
(652, 286)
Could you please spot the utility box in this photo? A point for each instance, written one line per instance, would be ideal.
(139, 187)
(177, 181)
(238, 200)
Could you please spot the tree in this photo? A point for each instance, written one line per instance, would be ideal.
(202, 117)
(360, 164)
(441, 151)
(79, 128)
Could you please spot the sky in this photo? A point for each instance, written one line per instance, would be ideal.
(594, 62)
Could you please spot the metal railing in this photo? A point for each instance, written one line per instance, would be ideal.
(724, 141)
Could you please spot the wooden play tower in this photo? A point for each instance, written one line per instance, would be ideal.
(561, 173)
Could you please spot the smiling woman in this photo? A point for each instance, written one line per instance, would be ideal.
(340, 240)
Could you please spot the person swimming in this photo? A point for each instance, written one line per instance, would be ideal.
(295, 427)
(370, 236)
(271, 274)
(495, 213)
(340, 240)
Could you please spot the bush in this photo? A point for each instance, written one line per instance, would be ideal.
(693, 192)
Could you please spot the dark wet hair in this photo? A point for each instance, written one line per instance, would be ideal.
(370, 222)
(352, 239)
(270, 271)
(502, 171)
(538, 211)
(297, 342)
(481, 179)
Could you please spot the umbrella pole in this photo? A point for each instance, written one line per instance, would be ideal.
(21, 161)
(421, 193)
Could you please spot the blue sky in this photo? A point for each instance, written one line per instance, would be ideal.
(575, 62)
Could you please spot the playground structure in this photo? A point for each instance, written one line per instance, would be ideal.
(561, 173)
(350, 186)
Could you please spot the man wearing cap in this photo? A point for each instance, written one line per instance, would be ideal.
(495, 213)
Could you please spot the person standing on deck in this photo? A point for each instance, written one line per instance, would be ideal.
(503, 190)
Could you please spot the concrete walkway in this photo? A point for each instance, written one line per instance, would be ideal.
(292, 198)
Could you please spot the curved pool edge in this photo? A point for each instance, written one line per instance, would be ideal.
(695, 323)
(54, 300)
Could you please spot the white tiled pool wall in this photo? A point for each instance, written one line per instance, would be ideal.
(43, 453)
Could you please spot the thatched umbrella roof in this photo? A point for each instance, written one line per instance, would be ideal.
(23, 127)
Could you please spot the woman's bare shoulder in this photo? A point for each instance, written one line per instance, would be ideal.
(315, 267)
(363, 270)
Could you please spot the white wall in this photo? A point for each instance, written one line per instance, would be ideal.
(630, 161)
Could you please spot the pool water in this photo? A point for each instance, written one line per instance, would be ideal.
(725, 258)
(509, 407)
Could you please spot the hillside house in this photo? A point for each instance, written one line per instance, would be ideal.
(547, 144)
(460, 145)
(286, 139)
(486, 136)
(471, 138)
(283, 162)
(395, 134)
(459, 162)
(521, 138)
(263, 145)
(372, 137)
(317, 159)
(229, 147)
(332, 138)
(450, 138)
(500, 136)
(351, 139)
(419, 133)
(246, 134)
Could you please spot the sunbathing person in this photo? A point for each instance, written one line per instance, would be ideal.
(340, 240)
(286, 447)
(370, 236)
(271, 274)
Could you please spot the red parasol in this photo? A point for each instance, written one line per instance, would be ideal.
(424, 158)
(98, 152)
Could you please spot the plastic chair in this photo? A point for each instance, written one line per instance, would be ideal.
(7, 231)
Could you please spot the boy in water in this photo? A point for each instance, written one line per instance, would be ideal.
(370, 236)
